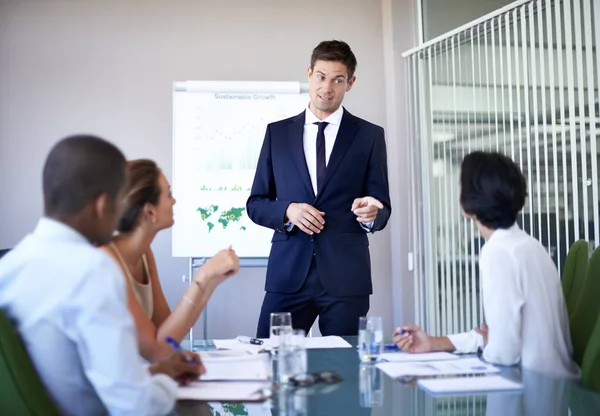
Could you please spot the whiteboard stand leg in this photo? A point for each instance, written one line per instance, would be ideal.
(205, 311)
(190, 277)
(193, 265)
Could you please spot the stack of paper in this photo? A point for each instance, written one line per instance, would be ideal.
(227, 391)
(231, 375)
(401, 357)
(436, 368)
(468, 384)
(235, 367)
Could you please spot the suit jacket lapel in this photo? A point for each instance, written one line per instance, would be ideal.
(296, 134)
(343, 140)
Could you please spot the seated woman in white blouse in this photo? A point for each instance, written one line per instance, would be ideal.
(523, 302)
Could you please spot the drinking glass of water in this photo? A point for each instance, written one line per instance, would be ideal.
(370, 338)
(292, 354)
(279, 321)
(370, 386)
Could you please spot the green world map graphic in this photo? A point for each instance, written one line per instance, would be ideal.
(228, 409)
(225, 218)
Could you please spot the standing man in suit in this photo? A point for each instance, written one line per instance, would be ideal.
(322, 184)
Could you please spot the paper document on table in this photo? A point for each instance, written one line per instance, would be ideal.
(310, 343)
(401, 357)
(468, 384)
(234, 344)
(224, 391)
(249, 367)
(220, 355)
(435, 368)
(326, 342)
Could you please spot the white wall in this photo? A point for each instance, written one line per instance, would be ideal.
(107, 67)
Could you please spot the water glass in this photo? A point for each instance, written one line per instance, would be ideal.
(370, 338)
(292, 359)
(291, 402)
(370, 386)
(279, 321)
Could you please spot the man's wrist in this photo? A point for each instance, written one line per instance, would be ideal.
(442, 344)
(287, 223)
(288, 226)
(157, 368)
(367, 226)
(286, 217)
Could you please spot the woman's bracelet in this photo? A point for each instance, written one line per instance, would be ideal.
(191, 302)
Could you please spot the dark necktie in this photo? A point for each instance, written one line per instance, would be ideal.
(321, 153)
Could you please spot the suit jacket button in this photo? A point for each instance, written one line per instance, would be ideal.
(312, 238)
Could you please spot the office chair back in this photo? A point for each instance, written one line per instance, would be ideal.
(587, 310)
(22, 392)
(590, 368)
(574, 273)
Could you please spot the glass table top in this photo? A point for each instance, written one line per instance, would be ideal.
(365, 390)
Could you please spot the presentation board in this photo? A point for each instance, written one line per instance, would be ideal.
(218, 131)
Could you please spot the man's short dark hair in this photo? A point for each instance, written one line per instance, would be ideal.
(79, 169)
(492, 188)
(336, 51)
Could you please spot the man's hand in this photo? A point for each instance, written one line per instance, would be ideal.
(413, 339)
(366, 209)
(483, 331)
(306, 217)
(219, 267)
(181, 366)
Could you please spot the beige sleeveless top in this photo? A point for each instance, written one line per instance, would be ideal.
(143, 292)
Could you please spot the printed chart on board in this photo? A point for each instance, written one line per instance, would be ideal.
(218, 132)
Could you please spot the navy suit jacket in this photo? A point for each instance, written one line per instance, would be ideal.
(357, 167)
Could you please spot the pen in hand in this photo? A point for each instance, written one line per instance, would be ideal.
(401, 331)
(394, 347)
(173, 343)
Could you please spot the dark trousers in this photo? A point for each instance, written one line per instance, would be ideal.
(337, 315)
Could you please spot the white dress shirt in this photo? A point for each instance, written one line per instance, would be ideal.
(524, 307)
(309, 138)
(69, 302)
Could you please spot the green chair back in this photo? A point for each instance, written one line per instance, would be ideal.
(574, 273)
(587, 310)
(22, 392)
(590, 368)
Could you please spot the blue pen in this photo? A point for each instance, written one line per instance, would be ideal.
(173, 343)
(394, 347)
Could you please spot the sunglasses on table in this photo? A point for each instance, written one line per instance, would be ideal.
(310, 379)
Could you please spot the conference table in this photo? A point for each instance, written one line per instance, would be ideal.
(365, 390)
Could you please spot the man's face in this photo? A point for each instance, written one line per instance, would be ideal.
(329, 83)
